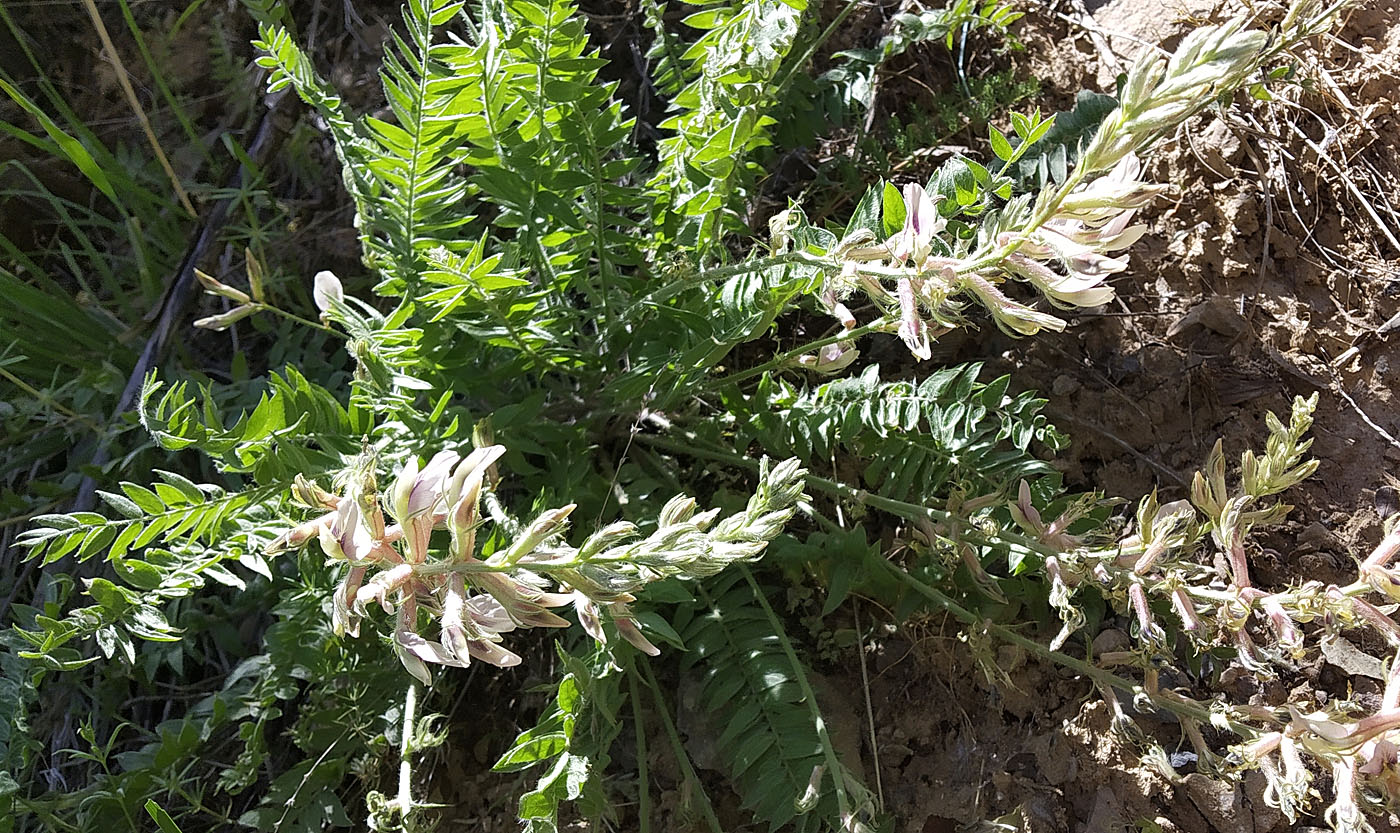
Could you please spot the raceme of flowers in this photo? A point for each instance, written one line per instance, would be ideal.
(470, 600)
(1066, 244)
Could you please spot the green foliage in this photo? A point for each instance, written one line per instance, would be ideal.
(852, 82)
(915, 440)
(768, 732)
(300, 427)
(723, 114)
(572, 739)
(401, 176)
(542, 282)
(1054, 154)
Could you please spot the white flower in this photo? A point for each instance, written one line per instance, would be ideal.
(324, 287)
(921, 223)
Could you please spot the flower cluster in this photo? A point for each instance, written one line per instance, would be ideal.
(1066, 244)
(473, 599)
(1217, 605)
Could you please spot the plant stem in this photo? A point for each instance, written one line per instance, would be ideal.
(705, 276)
(643, 778)
(833, 763)
(812, 48)
(682, 759)
(895, 507)
(410, 708)
(298, 319)
(44, 397)
(1180, 707)
(785, 359)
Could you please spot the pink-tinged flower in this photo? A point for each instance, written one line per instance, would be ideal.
(1081, 258)
(627, 626)
(471, 628)
(1185, 610)
(416, 492)
(461, 493)
(1376, 755)
(380, 587)
(1009, 315)
(912, 329)
(1385, 551)
(1148, 629)
(297, 537)
(921, 223)
(589, 617)
(413, 650)
(1024, 513)
(833, 357)
(344, 618)
(325, 287)
(414, 497)
(1067, 291)
(1116, 192)
(1284, 628)
(347, 537)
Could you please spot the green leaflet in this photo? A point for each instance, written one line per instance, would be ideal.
(765, 731)
(915, 439)
(572, 737)
(723, 114)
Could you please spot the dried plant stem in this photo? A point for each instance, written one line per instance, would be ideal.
(130, 94)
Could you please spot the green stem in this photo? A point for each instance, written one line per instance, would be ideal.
(643, 778)
(833, 763)
(705, 276)
(900, 508)
(1189, 709)
(682, 759)
(1043, 213)
(44, 397)
(298, 319)
(1180, 707)
(812, 48)
(787, 358)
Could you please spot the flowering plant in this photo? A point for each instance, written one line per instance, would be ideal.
(474, 600)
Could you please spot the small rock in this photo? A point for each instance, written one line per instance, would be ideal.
(1107, 813)
(1064, 385)
(1386, 502)
(1315, 537)
(1266, 818)
(1341, 653)
(1221, 804)
(1220, 146)
(1111, 639)
(1218, 314)
(1057, 763)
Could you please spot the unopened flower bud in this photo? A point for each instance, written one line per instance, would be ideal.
(214, 287)
(221, 322)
